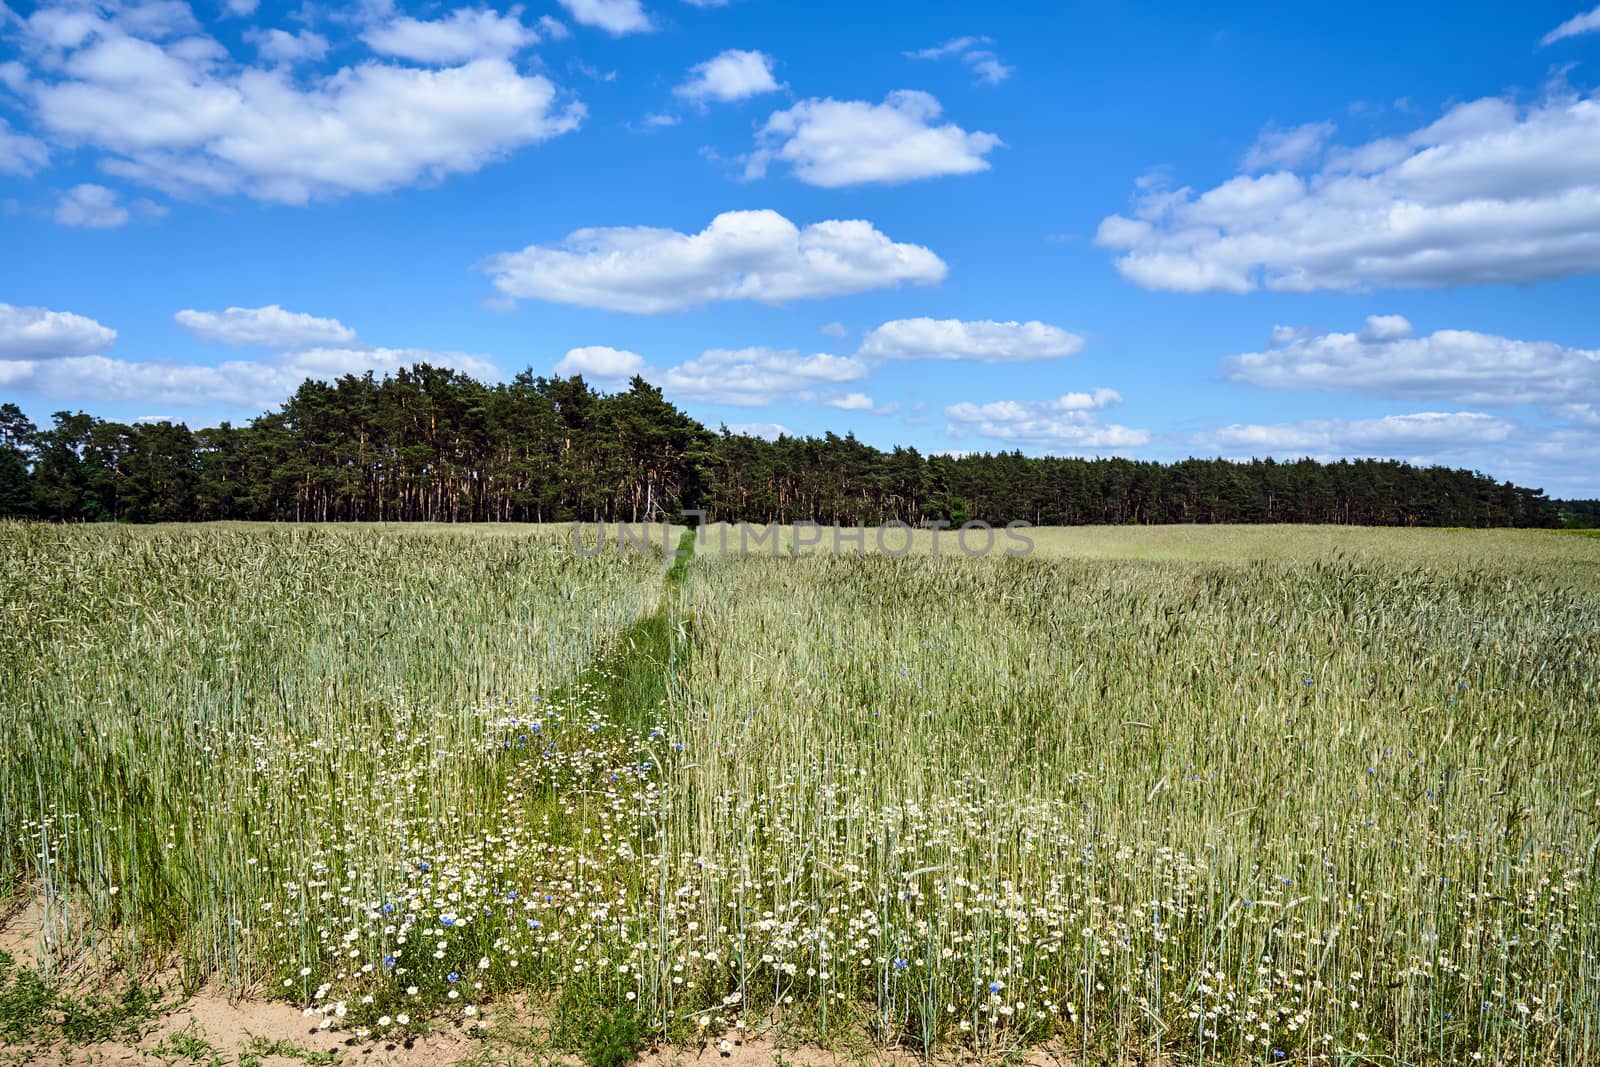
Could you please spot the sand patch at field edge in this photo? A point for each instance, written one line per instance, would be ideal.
(229, 1027)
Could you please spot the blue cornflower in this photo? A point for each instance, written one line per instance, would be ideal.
(995, 987)
(388, 909)
(900, 964)
(452, 978)
(424, 867)
(388, 962)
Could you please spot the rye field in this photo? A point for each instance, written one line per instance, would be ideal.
(1157, 796)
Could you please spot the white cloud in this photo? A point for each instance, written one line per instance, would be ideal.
(600, 363)
(757, 377)
(744, 377)
(265, 327)
(953, 47)
(769, 431)
(851, 402)
(616, 17)
(1277, 148)
(861, 402)
(735, 74)
(183, 116)
(983, 341)
(91, 206)
(466, 34)
(1425, 437)
(553, 28)
(1489, 194)
(1558, 458)
(247, 385)
(33, 333)
(1561, 460)
(155, 18)
(973, 51)
(1588, 22)
(988, 69)
(1384, 359)
(836, 329)
(1065, 424)
(1582, 414)
(281, 46)
(833, 143)
(20, 154)
(741, 255)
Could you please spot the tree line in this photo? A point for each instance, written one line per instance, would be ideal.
(1580, 514)
(430, 444)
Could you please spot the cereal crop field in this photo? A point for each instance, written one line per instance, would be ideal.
(1157, 796)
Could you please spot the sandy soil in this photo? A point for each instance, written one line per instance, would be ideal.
(229, 1027)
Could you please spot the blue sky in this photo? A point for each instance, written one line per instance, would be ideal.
(1118, 228)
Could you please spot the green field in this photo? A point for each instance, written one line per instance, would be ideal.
(1158, 795)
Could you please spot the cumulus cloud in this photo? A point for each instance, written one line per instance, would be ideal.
(179, 113)
(1489, 194)
(20, 154)
(741, 255)
(1277, 148)
(465, 34)
(600, 363)
(281, 46)
(731, 75)
(1425, 437)
(1588, 22)
(769, 431)
(1561, 460)
(1385, 359)
(975, 53)
(1583, 414)
(744, 377)
(91, 206)
(833, 143)
(33, 333)
(983, 341)
(1065, 424)
(616, 17)
(860, 402)
(757, 377)
(246, 385)
(264, 327)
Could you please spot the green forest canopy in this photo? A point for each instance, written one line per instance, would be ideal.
(430, 444)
